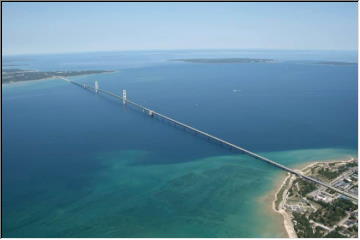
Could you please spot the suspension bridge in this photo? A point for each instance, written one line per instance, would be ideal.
(158, 115)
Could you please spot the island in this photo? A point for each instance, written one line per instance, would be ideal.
(336, 63)
(13, 75)
(311, 210)
(224, 60)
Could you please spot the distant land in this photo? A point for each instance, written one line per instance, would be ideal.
(335, 63)
(11, 65)
(224, 60)
(18, 75)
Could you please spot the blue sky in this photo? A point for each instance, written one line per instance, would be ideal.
(81, 27)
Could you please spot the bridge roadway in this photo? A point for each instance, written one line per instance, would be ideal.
(247, 152)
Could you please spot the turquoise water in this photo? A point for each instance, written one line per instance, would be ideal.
(78, 164)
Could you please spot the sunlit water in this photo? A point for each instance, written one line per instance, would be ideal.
(77, 164)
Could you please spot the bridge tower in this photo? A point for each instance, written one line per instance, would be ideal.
(96, 86)
(124, 96)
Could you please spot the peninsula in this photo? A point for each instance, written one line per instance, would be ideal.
(311, 210)
(19, 75)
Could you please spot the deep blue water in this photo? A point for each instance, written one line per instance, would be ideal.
(77, 164)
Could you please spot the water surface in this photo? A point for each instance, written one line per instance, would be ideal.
(77, 164)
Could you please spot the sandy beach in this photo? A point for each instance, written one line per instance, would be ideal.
(288, 225)
(267, 209)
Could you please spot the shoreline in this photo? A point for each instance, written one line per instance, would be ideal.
(267, 211)
(287, 223)
(26, 81)
(11, 83)
(286, 182)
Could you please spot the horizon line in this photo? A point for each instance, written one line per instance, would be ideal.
(177, 49)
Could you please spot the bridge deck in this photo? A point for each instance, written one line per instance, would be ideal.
(249, 153)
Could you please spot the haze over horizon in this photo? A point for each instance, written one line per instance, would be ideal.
(45, 28)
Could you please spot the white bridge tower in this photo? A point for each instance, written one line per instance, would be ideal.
(124, 96)
(96, 86)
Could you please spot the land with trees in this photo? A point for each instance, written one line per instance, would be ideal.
(12, 75)
(314, 211)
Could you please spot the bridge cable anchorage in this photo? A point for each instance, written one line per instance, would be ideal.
(153, 113)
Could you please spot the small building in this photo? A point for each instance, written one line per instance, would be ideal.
(323, 196)
(349, 223)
